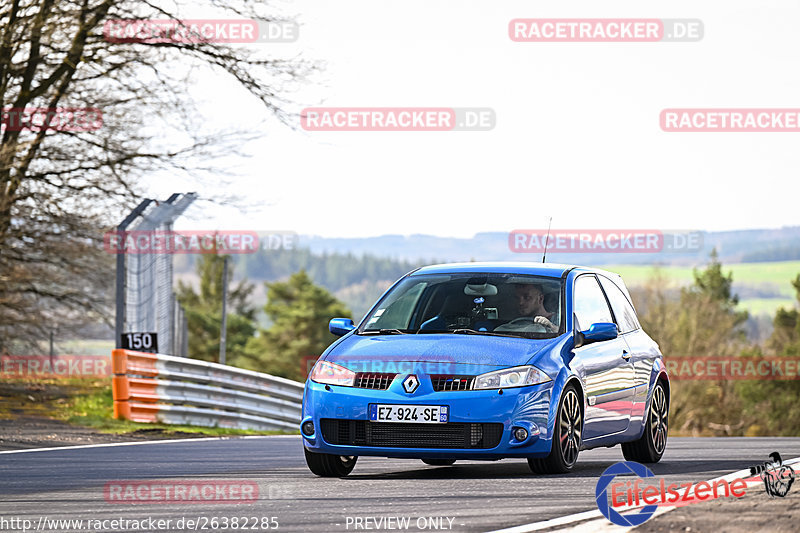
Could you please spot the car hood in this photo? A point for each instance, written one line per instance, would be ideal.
(433, 353)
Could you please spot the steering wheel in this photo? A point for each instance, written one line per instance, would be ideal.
(523, 323)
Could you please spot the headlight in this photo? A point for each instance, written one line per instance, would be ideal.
(332, 374)
(519, 376)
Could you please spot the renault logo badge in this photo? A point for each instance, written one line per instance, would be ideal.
(411, 383)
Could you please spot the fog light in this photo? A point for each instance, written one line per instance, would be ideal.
(520, 434)
(308, 428)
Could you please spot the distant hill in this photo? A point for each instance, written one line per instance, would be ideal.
(733, 247)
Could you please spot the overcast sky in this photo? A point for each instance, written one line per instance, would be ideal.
(577, 134)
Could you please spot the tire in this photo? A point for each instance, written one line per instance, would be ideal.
(439, 462)
(566, 442)
(651, 445)
(327, 465)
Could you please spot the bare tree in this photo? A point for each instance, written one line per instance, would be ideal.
(61, 187)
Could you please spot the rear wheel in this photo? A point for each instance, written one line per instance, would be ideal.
(439, 462)
(327, 465)
(566, 442)
(651, 445)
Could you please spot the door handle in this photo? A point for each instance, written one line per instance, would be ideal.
(626, 355)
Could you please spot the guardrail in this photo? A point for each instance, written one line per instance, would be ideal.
(175, 390)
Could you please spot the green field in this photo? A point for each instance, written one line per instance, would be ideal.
(83, 347)
(775, 276)
(765, 306)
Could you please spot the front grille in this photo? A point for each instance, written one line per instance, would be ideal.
(394, 435)
(448, 383)
(373, 380)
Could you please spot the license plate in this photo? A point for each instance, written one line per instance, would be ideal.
(418, 414)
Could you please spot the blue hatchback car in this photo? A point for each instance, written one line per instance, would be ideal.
(488, 361)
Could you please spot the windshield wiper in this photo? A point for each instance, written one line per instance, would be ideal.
(467, 331)
(384, 332)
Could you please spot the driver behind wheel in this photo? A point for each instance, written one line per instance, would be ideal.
(530, 304)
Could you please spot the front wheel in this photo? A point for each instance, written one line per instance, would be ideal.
(651, 445)
(566, 437)
(327, 465)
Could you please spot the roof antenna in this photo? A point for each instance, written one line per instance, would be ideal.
(547, 239)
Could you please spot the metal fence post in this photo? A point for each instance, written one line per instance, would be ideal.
(144, 295)
(224, 328)
(122, 273)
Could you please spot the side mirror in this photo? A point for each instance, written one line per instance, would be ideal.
(341, 326)
(599, 331)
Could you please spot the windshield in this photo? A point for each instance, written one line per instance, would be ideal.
(485, 304)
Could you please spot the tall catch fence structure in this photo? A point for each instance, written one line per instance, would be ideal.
(145, 299)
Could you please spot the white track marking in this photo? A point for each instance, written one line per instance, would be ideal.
(553, 522)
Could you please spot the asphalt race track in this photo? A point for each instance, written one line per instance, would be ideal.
(470, 496)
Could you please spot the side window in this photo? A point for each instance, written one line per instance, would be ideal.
(590, 304)
(623, 310)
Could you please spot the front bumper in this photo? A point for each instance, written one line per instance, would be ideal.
(525, 407)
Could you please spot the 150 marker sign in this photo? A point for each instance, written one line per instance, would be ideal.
(141, 342)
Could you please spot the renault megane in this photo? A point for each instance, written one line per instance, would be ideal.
(489, 361)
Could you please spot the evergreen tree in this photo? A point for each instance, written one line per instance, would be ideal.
(299, 312)
(771, 406)
(715, 285)
(785, 338)
(204, 311)
(702, 321)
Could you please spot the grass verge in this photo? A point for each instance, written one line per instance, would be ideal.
(87, 402)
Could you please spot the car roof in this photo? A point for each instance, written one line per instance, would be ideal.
(506, 267)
